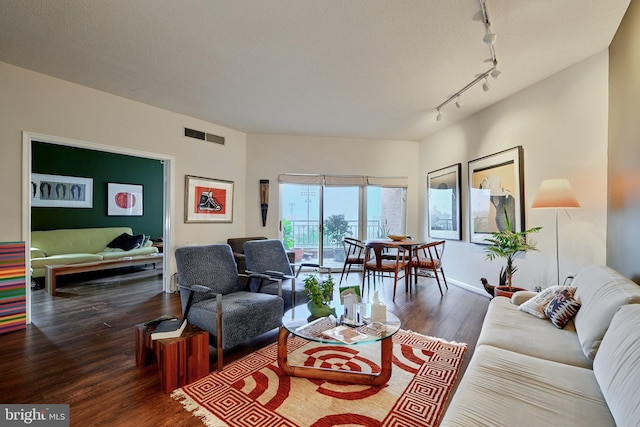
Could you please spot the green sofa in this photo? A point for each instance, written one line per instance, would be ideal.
(72, 246)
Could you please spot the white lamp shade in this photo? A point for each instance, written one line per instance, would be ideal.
(555, 193)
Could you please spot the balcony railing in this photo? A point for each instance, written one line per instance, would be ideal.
(306, 233)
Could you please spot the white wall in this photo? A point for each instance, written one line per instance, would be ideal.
(44, 105)
(270, 155)
(561, 123)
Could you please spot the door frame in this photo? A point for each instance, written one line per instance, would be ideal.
(167, 206)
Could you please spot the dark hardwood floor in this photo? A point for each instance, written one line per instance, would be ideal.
(79, 348)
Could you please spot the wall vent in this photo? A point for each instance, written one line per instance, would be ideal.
(203, 136)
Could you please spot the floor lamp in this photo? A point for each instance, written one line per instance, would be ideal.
(555, 193)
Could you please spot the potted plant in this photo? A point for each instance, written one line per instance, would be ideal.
(287, 240)
(509, 244)
(320, 295)
(336, 227)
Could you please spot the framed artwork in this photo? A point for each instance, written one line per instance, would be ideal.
(496, 188)
(124, 199)
(443, 197)
(59, 191)
(208, 200)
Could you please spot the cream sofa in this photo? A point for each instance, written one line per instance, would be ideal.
(72, 246)
(526, 372)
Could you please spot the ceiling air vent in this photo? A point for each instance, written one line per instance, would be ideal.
(197, 134)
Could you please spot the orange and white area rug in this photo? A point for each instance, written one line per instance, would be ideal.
(253, 391)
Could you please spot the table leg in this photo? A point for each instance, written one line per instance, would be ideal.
(386, 349)
(50, 281)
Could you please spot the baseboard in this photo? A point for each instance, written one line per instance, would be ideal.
(468, 287)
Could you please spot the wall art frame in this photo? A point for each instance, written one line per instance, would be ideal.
(208, 200)
(496, 185)
(125, 199)
(443, 200)
(59, 191)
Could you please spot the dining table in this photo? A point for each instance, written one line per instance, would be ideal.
(408, 243)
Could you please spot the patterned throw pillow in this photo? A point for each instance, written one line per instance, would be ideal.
(562, 308)
(536, 305)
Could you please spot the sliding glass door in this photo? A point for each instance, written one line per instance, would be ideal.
(318, 211)
(341, 215)
(300, 223)
(386, 211)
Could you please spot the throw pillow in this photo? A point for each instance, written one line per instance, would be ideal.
(536, 305)
(126, 242)
(562, 308)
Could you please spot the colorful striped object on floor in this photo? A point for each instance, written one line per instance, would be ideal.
(13, 308)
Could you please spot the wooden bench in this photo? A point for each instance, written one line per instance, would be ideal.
(53, 271)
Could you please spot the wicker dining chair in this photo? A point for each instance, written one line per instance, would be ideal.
(375, 263)
(427, 262)
(354, 255)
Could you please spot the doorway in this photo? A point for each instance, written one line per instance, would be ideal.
(167, 163)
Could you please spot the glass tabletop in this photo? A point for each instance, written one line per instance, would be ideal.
(299, 322)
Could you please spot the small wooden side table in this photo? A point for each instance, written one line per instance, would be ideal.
(181, 360)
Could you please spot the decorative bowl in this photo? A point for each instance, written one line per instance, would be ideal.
(396, 237)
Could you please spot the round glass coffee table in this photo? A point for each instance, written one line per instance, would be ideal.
(328, 330)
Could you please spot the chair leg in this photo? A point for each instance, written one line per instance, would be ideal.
(395, 285)
(344, 267)
(444, 278)
(435, 273)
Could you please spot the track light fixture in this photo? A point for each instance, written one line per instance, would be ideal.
(485, 85)
(490, 39)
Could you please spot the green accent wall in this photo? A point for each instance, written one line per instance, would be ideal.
(103, 167)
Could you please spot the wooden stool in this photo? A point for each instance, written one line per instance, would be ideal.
(181, 360)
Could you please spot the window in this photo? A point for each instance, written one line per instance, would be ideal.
(356, 206)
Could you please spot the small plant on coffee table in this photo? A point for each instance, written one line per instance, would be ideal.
(320, 295)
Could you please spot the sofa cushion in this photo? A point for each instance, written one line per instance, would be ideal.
(616, 365)
(73, 241)
(601, 291)
(126, 242)
(562, 308)
(64, 259)
(506, 327)
(503, 388)
(536, 305)
(133, 252)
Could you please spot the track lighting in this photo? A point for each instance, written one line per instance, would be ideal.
(490, 39)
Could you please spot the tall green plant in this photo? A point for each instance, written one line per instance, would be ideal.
(509, 244)
(287, 234)
(336, 227)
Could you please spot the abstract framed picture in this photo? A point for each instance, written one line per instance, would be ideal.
(496, 188)
(125, 199)
(443, 198)
(58, 191)
(208, 200)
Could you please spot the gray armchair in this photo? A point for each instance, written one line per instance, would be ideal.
(236, 244)
(210, 286)
(269, 257)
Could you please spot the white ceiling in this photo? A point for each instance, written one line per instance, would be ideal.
(341, 68)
